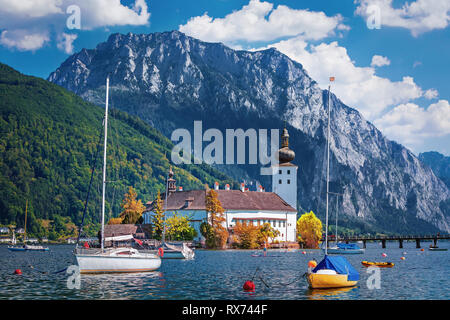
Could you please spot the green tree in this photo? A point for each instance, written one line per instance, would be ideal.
(179, 228)
(309, 230)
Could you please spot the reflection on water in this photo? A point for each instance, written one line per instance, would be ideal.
(325, 294)
(221, 275)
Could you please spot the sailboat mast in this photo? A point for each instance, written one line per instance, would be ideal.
(328, 171)
(25, 230)
(337, 200)
(165, 208)
(104, 165)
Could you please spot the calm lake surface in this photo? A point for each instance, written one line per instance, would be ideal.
(221, 275)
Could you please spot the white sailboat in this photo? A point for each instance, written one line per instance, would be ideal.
(123, 259)
(335, 271)
(26, 247)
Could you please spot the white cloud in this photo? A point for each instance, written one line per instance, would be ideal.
(31, 8)
(358, 87)
(412, 125)
(379, 61)
(28, 22)
(259, 21)
(23, 40)
(65, 42)
(431, 94)
(101, 13)
(419, 16)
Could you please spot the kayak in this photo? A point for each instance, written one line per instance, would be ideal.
(378, 264)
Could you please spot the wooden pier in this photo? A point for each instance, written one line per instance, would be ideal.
(400, 239)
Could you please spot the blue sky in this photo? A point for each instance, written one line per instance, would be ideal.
(395, 75)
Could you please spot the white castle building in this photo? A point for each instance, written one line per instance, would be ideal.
(279, 207)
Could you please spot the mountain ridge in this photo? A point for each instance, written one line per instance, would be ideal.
(439, 163)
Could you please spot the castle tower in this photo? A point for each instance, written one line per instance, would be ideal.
(284, 178)
(171, 182)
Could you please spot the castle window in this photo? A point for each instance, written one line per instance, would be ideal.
(289, 171)
(279, 181)
(289, 181)
(279, 171)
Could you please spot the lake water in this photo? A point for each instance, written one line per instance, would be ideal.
(221, 275)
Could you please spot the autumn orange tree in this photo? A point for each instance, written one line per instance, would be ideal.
(132, 208)
(309, 230)
(218, 236)
(158, 217)
(117, 220)
(247, 235)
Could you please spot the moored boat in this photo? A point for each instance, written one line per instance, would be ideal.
(177, 252)
(35, 248)
(377, 264)
(12, 248)
(344, 248)
(106, 260)
(435, 248)
(26, 247)
(334, 271)
(115, 260)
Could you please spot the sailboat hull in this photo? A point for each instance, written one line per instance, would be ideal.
(17, 249)
(344, 251)
(107, 263)
(173, 255)
(325, 281)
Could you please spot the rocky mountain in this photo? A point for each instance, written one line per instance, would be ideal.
(439, 163)
(169, 80)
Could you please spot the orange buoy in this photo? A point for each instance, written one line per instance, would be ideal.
(402, 258)
(312, 264)
(422, 249)
(17, 271)
(161, 252)
(249, 286)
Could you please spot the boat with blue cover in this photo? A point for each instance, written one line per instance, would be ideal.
(345, 248)
(334, 271)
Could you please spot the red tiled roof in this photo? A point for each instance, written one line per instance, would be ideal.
(230, 200)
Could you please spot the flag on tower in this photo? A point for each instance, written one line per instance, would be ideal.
(331, 78)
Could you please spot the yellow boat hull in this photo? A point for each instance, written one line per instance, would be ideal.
(323, 281)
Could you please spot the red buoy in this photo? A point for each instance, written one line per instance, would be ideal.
(249, 286)
(161, 252)
(17, 271)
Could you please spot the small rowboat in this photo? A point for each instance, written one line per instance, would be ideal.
(437, 249)
(377, 264)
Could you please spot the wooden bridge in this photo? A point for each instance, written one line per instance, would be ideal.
(383, 239)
